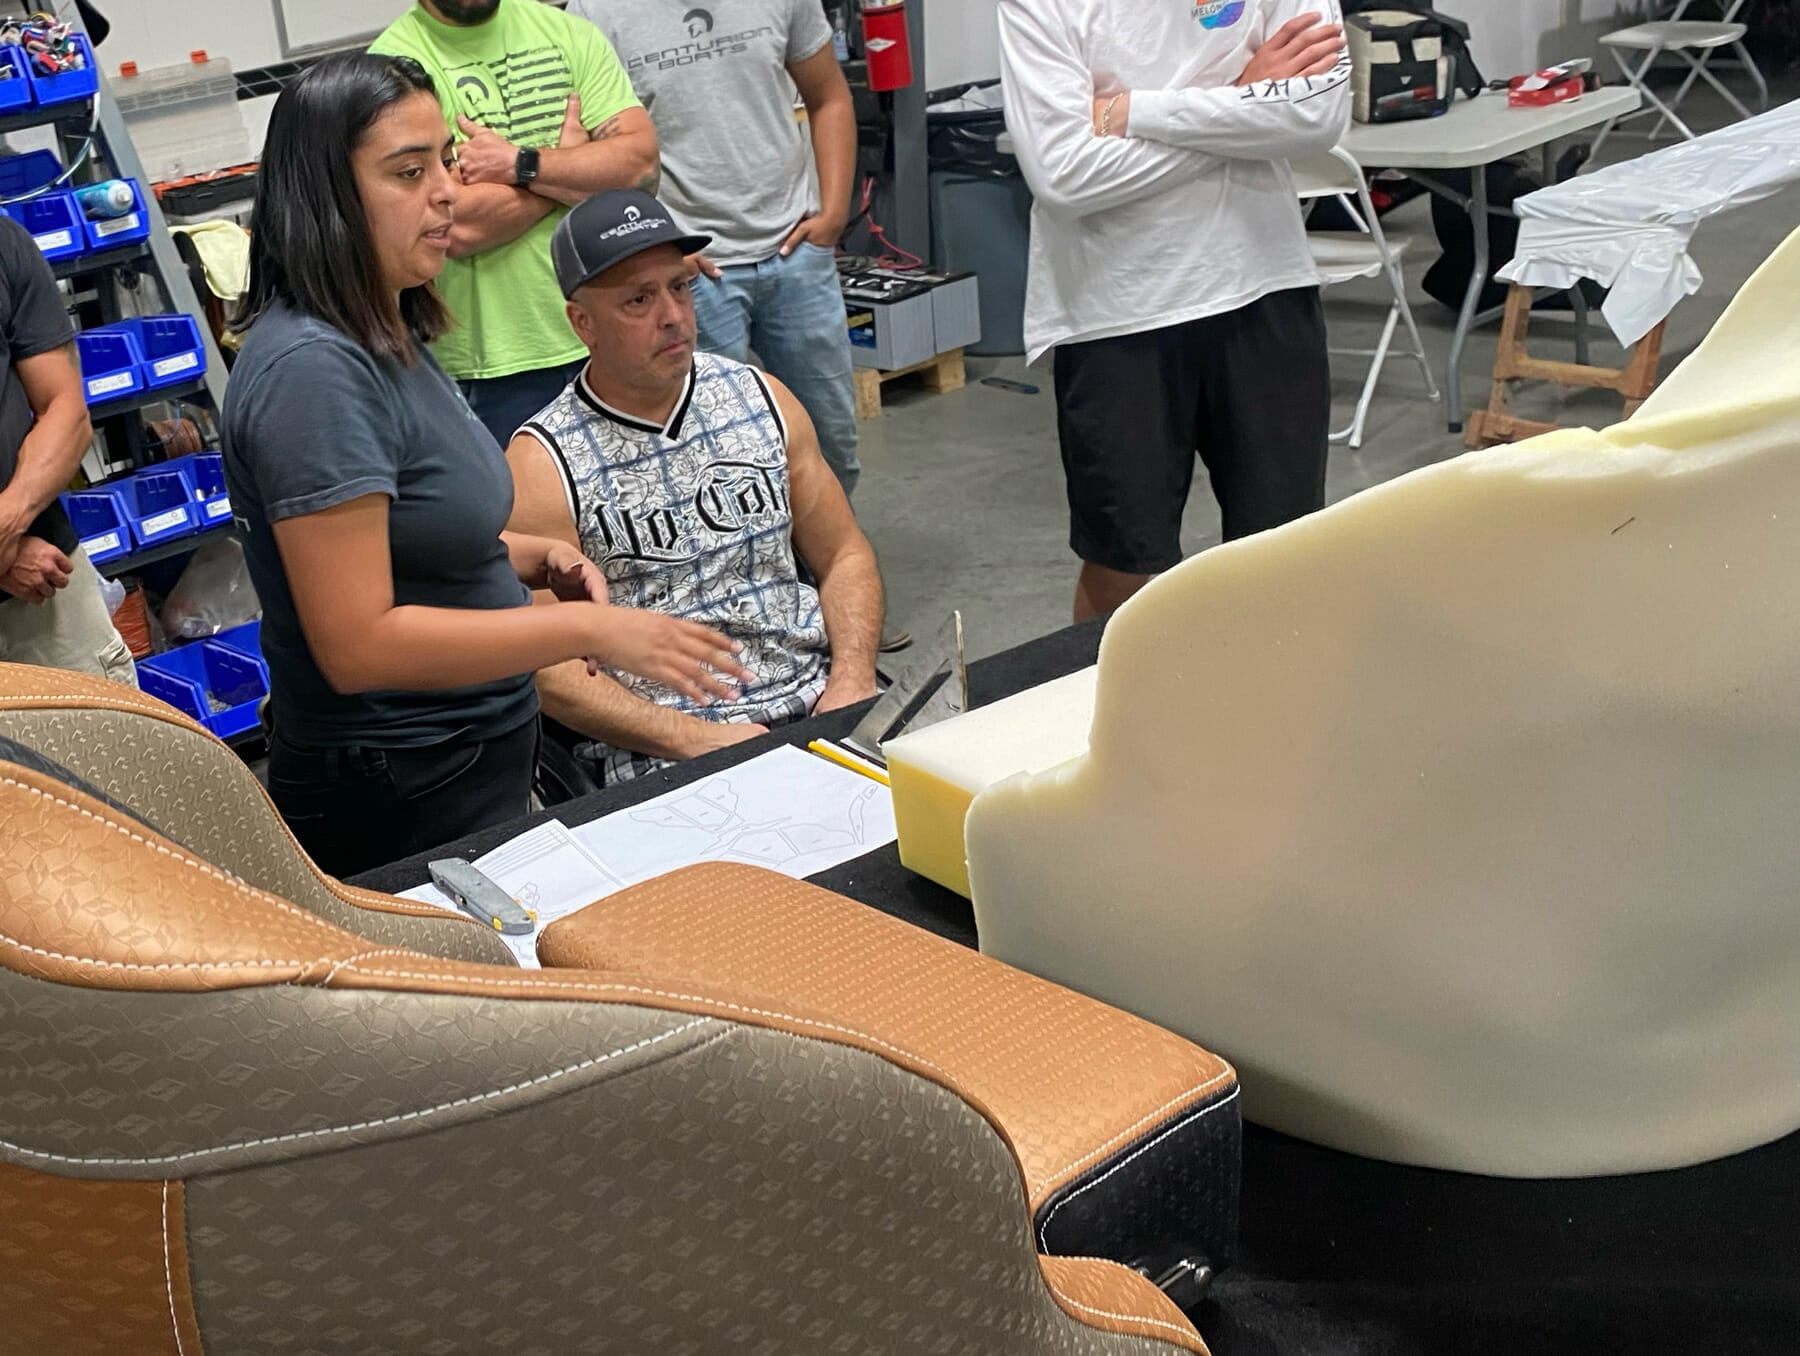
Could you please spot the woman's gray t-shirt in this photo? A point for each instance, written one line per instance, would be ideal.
(312, 421)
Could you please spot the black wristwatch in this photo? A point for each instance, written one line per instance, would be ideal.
(525, 168)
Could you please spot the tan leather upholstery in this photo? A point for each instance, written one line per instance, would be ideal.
(177, 777)
(1114, 1296)
(95, 1267)
(92, 901)
(840, 971)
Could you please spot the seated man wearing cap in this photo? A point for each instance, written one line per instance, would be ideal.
(696, 483)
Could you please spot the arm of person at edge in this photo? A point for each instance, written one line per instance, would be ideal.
(30, 567)
(1049, 93)
(831, 117)
(1291, 99)
(599, 706)
(339, 567)
(828, 539)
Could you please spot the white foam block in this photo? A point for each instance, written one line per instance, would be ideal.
(1460, 816)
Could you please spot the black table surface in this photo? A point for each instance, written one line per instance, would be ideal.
(1353, 1257)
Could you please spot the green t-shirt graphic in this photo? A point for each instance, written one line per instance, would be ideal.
(514, 75)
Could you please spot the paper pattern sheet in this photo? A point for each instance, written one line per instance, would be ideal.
(787, 811)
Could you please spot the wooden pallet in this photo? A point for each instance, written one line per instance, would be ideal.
(1496, 424)
(942, 373)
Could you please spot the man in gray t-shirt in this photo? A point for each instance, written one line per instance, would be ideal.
(718, 80)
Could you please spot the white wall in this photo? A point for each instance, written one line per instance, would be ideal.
(1514, 36)
(243, 32)
(163, 32)
(962, 42)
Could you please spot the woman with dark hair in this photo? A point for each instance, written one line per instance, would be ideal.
(396, 612)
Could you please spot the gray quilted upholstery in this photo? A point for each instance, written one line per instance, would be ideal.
(101, 1083)
(192, 789)
(755, 1193)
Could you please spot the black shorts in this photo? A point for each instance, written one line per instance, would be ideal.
(1249, 391)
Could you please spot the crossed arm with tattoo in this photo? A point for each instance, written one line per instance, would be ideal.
(492, 210)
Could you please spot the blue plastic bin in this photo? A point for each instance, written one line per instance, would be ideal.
(169, 346)
(205, 472)
(54, 222)
(19, 174)
(218, 687)
(109, 233)
(159, 505)
(99, 519)
(15, 90)
(61, 89)
(245, 640)
(110, 364)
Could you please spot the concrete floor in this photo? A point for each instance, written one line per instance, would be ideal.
(962, 494)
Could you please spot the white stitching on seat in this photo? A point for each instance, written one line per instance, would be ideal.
(390, 904)
(106, 702)
(169, 1272)
(1183, 1123)
(294, 1137)
(1122, 1317)
(1197, 1090)
(679, 998)
(261, 896)
(951, 1081)
(331, 974)
(161, 967)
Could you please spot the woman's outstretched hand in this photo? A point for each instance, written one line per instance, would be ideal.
(693, 660)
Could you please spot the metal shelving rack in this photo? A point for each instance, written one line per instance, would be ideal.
(94, 131)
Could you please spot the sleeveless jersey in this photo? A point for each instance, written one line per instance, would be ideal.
(692, 519)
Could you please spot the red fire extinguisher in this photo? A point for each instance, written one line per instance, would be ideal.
(886, 45)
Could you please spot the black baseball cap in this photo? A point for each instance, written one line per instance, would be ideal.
(609, 228)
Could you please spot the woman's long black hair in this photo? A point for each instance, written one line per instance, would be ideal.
(310, 244)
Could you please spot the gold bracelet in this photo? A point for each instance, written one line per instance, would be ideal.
(1106, 115)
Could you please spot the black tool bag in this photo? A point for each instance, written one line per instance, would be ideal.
(1465, 78)
(1399, 69)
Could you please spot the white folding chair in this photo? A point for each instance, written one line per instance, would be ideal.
(1367, 252)
(1728, 12)
(1695, 41)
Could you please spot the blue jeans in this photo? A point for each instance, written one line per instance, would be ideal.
(792, 313)
(505, 404)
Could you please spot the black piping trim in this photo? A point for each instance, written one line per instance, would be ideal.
(672, 429)
(600, 407)
(542, 434)
(774, 409)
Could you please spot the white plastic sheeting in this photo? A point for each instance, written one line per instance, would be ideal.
(1628, 226)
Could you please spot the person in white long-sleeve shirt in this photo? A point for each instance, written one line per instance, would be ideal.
(1169, 267)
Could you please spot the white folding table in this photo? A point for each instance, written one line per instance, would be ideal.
(1474, 134)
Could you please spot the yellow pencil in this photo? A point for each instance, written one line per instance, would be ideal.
(836, 755)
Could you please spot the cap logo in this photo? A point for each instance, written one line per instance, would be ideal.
(632, 213)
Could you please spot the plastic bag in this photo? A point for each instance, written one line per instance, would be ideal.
(213, 594)
(1629, 225)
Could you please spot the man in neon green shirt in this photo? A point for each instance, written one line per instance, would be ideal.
(546, 118)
